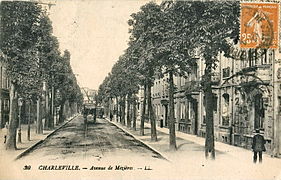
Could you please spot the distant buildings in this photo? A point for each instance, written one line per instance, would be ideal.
(89, 95)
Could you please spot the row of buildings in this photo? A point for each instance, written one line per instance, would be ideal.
(247, 96)
(4, 92)
(89, 95)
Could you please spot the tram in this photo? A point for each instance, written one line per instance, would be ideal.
(94, 110)
(100, 111)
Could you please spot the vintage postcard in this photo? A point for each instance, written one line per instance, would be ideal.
(136, 89)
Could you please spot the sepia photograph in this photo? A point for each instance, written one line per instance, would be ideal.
(140, 90)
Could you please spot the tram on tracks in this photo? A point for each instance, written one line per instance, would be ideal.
(93, 110)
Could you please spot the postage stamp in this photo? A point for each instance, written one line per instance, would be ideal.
(259, 25)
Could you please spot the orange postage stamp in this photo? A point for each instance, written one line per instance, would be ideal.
(259, 25)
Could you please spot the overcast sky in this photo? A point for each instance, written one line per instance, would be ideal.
(96, 34)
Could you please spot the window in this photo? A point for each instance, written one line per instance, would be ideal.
(252, 56)
(270, 56)
(4, 80)
(243, 59)
(279, 101)
(204, 101)
(215, 102)
(194, 70)
(264, 58)
(6, 105)
(225, 109)
(182, 81)
(204, 119)
(226, 72)
(1, 78)
(182, 110)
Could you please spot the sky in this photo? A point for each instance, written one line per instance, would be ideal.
(95, 32)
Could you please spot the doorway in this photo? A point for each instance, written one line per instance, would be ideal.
(259, 112)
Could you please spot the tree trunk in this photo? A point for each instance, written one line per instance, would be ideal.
(47, 110)
(51, 111)
(134, 114)
(73, 109)
(129, 97)
(39, 129)
(23, 112)
(151, 114)
(76, 108)
(107, 107)
(12, 129)
(209, 140)
(29, 120)
(20, 122)
(123, 108)
(120, 110)
(61, 113)
(143, 111)
(172, 130)
(69, 110)
(66, 109)
(117, 109)
(110, 108)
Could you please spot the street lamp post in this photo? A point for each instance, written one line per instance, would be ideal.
(29, 119)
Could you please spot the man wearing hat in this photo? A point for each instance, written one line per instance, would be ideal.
(258, 145)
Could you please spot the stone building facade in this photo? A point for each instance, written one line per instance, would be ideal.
(247, 96)
(4, 92)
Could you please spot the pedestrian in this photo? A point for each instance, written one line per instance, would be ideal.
(6, 131)
(258, 145)
(161, 121)
(94, 115)
(102, 113)
(85, 113)
(111, 116)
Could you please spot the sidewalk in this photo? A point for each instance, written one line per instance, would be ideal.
(231, 162)
(8, 156)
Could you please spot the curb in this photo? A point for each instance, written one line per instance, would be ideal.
(143, 143)
(30, 149)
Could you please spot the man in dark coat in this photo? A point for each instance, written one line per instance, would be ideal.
(111, 116)
(258, 146)
(85, 113)
(94, 113)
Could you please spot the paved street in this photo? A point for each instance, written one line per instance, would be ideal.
(101, 142)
